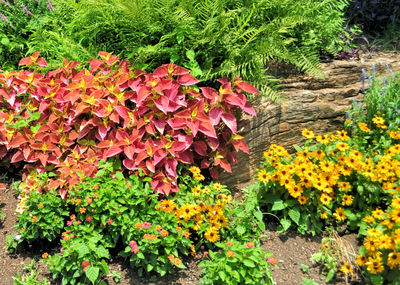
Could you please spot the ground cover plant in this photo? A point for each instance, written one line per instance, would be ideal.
(350, 177)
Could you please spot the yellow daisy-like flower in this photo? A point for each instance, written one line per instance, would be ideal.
(195, 170)
(374, 265)
(324, 139)
(212, 234)
(373, 232)
(342, 135)
(378, 120)
(307, 134)
(344, 186)
(361, 260)
(342, 146)
(396, 215)
(197, 191)
(340, 215)
(324, 215)
(325, 199)
(378, 214)
(369, 219)
(346, 268)
(302, 199)
(364, 127)
(217, 186)
(396, 203)
(326, 246)
(394, 135)
(371, 244)
(347, 200)
(393, 259)
(263, 176)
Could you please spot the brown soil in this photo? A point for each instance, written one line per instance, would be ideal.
(290, 249)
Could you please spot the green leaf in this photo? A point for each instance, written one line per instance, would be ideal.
(92, 273)
(330, 275)
(83, 249)
(285, 224)
(240, 229)
(294, 214)
(278, 205)
(149, 267)
(249, 263)
(190, 54)
(102, 252)
(222, 275)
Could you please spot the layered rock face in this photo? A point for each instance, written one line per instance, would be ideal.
(316, 104)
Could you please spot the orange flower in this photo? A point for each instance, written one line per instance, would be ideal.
(34, 219)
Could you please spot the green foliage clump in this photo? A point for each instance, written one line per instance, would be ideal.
(212, 38)
(17, 21)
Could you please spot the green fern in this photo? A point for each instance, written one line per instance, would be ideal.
(228, 37)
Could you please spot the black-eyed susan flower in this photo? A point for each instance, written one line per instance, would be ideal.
(375, 265)
(361, 260)
(303, 199)
(308, 134)
(262, 176)
(347, 200)
(364, 127)
(393, 259)
(347, 268)
(212, 234)
(340, 215)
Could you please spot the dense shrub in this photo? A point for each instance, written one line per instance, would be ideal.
(212, 38)
(67, 120)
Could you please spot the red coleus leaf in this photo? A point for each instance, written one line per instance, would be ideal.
(215, 116)
(170, 167)
(245, 86)
(214, 173)
(113, 151)
(230, 121)
(187, 80)
(18, 140)
(41, 62)
(200, 147)
(150, 165)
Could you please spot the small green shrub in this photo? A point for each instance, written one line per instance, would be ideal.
(237, 263)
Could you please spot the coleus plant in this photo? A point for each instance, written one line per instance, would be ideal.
(68, 119)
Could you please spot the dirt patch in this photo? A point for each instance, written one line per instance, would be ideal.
(291, 250)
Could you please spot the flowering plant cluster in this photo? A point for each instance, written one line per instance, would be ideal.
(333, 178)
(68, 120)
(237, 263)
(380, 253)
(204, 209)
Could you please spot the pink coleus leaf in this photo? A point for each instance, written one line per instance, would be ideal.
(247, 87)
(113, 151)
(150, 165)
(214, 173)
(215, 116)
(41, 62)
(225, 165)
(170, 167)
(249, 110)
(187, 80)
(230, 121)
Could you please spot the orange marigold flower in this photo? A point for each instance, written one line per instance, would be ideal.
(45, 255)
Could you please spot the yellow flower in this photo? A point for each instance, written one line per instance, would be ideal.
(396, 203)
(307, 134)
(342, 135)
(378, 120)
(263, 176)
(342, 146)
(363, 127)
(394, 135)
(373, 232)
(393, 259)
(344, 186)
(346, 268)
(217, 186)
(212, 234)
(318, 154)
(324, 214)
(340, 215)
(371, 244)
(302, 200)
(396, 215)
(324, 139)
(347, 200)
(325, 246)
(374, 265)
(197, 191)
(377, 214)
(325, 199)
(369, 219)
(195, 170)
(361, 260)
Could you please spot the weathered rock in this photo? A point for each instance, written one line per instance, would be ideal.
(316, 104)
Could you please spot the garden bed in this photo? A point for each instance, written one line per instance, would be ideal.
(292, 251)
